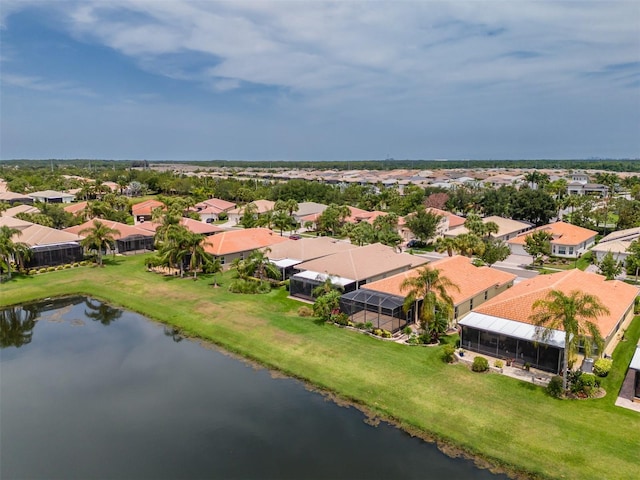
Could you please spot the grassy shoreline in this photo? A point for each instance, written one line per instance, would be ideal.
(507, 422)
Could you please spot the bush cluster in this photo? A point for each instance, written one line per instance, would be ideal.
(498, 364)
(447, 353)
(602, 366)
(480, 364)
(381, 333)
(249, 287)
(555, 387)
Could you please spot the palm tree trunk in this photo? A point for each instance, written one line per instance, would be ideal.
(565, 362)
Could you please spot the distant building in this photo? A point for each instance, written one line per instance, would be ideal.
(569, 241)
(51, 196)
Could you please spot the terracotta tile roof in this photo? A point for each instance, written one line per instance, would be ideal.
(471, 280)
(563, 234)
(123, 229)
(76, 208)
(244, 240)
(214, 205)
(362, 262)
(146, 207)
(308, 248)
(517, 302)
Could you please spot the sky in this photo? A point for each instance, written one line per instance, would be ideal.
(313, 80)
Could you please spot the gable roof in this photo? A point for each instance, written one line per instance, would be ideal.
(471, 280)
(627, 234)
(214, 205)
(236, 241)
(454, 220)
(362, 262)
(563, 234)
(308, 248)
(14, 197)
(123, 229)
(309, 208)
(517, 302)
(12, 222)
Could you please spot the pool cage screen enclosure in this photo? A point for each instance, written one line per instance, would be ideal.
(381, 309)
(51, 255)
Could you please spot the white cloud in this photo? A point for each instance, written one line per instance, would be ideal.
(43, 85)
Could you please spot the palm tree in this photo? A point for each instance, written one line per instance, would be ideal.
(99, 237)
(432, 288)
(9, 249)
(325, 287)
(281, 220)
(174, 249)
(633, 259)
(16, 326)
(101, 312)
(199, 257)
(469, 244)
(259, 265)
(446, 244)
(574, 313)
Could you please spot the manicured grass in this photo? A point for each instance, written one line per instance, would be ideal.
(504, 420)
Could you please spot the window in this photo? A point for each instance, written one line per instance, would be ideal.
(570, 250)
(221, 260)
(471, 304)
(486, 294)
(562, 250)
(455, 313)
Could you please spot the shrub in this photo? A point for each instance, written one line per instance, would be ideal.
(377, 331)
(425, 338)
(385, 334)
(42, 270)
(368, 325)
(407, 330)
(555, 387)
(76, 264)
(305, 312)
(249, 287)
(51, 269)
(413, 339)
(480, 364)
(602, 366)
(498, 364)
(360, 325)
(447, 353)
(67, 266)
(341, 319)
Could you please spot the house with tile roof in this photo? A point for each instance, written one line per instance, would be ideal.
(287, 255)
(263, 206)
(381, 302)
(143, 211)
(130, 238)
(232, 244)
(13, 211)
(569, 241)
(76, 209)
(617, 243)
(447, 221)
(351, 269)
(306, 209)
(210, 210)
(12, 198)
(507, 228)
(194, 226)
(49, 247)
(502, 326)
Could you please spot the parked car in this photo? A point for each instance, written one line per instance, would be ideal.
(295, 237)
(416, 244)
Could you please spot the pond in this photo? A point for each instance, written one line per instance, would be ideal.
(92, 391)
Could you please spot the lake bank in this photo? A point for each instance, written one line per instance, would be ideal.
(499, 419)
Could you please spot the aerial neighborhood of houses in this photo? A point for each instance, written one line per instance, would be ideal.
(418, 255)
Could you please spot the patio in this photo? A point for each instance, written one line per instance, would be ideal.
(533, 375)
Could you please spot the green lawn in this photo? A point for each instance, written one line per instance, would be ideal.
(504, 420)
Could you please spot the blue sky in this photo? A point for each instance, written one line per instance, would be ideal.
(311, 80)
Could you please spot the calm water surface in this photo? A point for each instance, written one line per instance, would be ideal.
(97, 392)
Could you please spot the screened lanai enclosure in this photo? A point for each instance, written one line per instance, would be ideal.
(57, 254)
(381, 309)
(519, 342)
(134, 243)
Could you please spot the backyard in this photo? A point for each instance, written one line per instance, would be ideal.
(510, 423)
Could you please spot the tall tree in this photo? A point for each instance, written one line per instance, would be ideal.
(249, 215)
(633, 259)
(494, 251)
(446, 244)
(431, 288)
(423, 224)
(99, 237)
(10, 249)
(609, 266)
(538, 245)
(535, 206)
(469, 244)
(574, 313)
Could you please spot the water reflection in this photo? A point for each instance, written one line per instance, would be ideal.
(85, 401)
(16, 326)
(101, 312)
